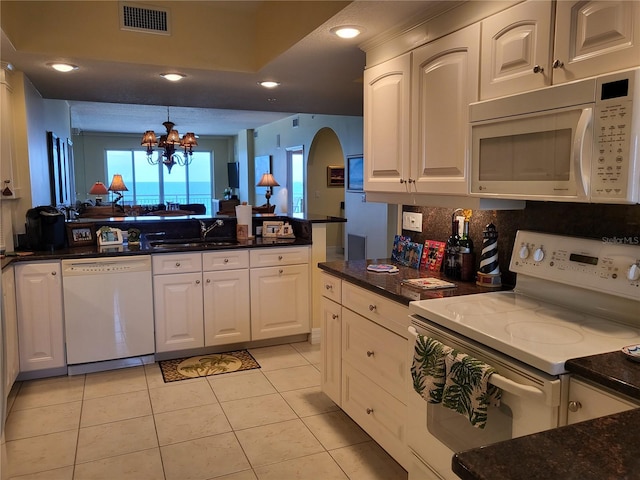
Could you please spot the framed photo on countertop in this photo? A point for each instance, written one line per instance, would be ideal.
(81, 234)
(110, 236)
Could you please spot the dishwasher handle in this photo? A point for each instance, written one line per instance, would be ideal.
(504, 383)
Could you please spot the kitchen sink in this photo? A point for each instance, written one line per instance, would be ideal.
(192, 242)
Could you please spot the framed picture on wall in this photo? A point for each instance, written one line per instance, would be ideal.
(355, 173)
(335, 176)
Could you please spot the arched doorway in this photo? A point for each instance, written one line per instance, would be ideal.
(324, 197)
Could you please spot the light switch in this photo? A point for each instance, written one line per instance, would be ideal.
(412, 221)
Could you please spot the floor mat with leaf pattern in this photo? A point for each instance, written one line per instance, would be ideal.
(205, 365)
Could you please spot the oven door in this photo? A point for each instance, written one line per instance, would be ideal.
(530, 403)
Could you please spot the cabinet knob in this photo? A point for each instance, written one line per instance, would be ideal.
(328, 287)
(557, 64)
(226, 260)
(538, 69)
(54, 273)
(197, 282)
(280, 271)
(369, 411)
(177, 264)
(372, 308)
(279, 257)
(208, 280)
(334, 316)
(370, 353)
(574, 406)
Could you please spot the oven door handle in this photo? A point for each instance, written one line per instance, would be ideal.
(504, 383)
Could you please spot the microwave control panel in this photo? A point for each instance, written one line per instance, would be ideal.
(609, 265)
(615, 172)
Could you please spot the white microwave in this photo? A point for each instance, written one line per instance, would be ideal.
(575, 142)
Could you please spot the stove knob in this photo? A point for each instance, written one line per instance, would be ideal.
(524, 252)
(538, 255)
(633, 273)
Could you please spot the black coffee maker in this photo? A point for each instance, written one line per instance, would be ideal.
(45, 228)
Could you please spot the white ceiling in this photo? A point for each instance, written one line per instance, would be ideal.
(320, 74)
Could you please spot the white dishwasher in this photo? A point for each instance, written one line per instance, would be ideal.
(108, 309)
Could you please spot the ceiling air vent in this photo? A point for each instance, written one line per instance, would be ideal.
(144, 18)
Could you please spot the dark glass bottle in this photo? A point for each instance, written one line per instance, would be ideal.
(466, 255)
(451, 263)
(466, 244)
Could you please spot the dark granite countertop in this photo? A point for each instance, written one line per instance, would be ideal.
(613, 370)
(390, 284)
(605, 448)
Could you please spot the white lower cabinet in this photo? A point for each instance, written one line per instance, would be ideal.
(10, 329)
(226, 307)
(587, 401)
(40, 316)
(280, 300)
(178, 311)
(363, 346)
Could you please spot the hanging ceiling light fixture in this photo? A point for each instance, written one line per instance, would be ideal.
(169, 143)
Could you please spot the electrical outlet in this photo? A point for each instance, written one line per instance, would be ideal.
(412, 221)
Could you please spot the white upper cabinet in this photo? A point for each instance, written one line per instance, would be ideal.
(595, 37)
(444, 81)
(516, 49)
(386, 125)
(521, 52)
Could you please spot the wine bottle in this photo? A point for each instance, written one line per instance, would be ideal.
(466, 256)
(452, 264)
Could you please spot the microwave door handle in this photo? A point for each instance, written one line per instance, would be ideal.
(504, 383)
(580, 161)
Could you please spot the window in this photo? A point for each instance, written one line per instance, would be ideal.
(152, 184)
(295, 161)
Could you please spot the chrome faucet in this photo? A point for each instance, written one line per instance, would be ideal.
(204, 230)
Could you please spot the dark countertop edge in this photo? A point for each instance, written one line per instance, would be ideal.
(311, 218)
(126, 250)
(602, 448)
(613, 370)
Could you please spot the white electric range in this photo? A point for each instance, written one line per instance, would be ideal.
(574, 297)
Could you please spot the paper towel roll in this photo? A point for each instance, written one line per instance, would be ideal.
(244, 214)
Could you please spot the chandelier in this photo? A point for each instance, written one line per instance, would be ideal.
(169, 143)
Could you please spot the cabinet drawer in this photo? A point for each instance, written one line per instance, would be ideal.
(225, 260)
(270, 257)
(387, 313)
(331, 287)
(381, 415)
(376, 352)
(176, 263)
(587, 401)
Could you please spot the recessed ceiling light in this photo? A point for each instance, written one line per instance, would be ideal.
(63, 67)
(347, 31)
(173, 77)
(269, 84)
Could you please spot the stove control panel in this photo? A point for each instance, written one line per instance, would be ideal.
(610, 265)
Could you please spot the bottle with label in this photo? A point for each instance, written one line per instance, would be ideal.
(466, 255)
(451, 261)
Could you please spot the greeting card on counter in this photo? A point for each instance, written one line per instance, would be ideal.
(382, 268)
(432, 255)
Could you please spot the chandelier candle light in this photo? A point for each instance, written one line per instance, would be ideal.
(169, 142)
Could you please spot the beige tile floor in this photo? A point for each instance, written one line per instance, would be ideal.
(269, 424)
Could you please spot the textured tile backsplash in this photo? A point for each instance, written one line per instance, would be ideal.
(582, 220)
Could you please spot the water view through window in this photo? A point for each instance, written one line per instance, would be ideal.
(152, 184)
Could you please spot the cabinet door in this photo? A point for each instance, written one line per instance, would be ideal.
(514, 42)
(587, 401)
(386, 125)
(10, 324)
(596, 37)
(445, 81)
(331, 350)
(226, 307)
(279, 301)
(178, 311)
(40, 321)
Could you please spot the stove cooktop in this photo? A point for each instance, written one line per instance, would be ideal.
(574, 297)
(537, 333)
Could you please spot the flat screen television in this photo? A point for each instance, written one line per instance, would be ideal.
(233, 174)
